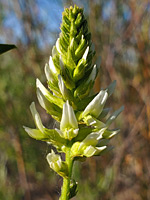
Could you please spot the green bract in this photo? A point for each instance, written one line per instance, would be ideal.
(84, 128)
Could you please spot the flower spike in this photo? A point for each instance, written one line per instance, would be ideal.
(82, 129)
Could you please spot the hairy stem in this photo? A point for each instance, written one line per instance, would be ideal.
(66, 181)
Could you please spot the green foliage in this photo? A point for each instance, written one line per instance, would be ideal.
(6, 47)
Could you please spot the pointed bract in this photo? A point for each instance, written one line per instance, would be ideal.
(114, 116)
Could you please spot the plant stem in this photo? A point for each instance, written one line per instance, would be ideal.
(66, 181)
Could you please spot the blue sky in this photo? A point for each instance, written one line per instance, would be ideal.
(48, 13)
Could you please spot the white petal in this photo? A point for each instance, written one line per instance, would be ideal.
(52, 66)
(54, 161)
(60, 133)
(92, 138)
(65, 118)
(93, 74)
(34, 133)
(72, 41)
(85, 53)
(96, 105)
(48, 73)
(40, 98)
(68, 117)
(75, 131)
(61, 63)
(41, 87)
(61, 85)
(89, 151)
(99, 149)
(36, 117)
(57, 45)
(91, 121)
(72, 118)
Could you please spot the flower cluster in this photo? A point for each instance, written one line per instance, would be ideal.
(69, 99)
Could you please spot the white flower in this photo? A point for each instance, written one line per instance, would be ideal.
(57, 46)
(41, 87)
(90, 150)
(62, 87)
(92, 139)
(54, 161)
(91, 121)
(68, 117)
(95, 107)
(52, 66)
(49, 74)
(68, 125)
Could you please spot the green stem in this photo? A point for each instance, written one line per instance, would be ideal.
(66, 181)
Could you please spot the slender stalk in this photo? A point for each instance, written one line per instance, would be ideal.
(66, 181)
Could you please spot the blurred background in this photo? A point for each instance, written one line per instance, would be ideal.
(121, 34)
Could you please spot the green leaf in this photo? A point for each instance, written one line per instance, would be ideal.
(54, 137)
(83, 132)
(6, 47)
(73, 189)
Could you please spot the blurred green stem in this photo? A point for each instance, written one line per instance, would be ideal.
(66, 181)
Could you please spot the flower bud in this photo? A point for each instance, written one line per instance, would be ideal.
(66, 77)
(52, 66)
(95, 107)
(51, 108)
(49, 75)
(64, 91)
(68, 125)
(80, 68)
(81, 48)
(85, 87)
(89, 151)
(55, 162)
(53, 99)
(92, 138)
(91, 121)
